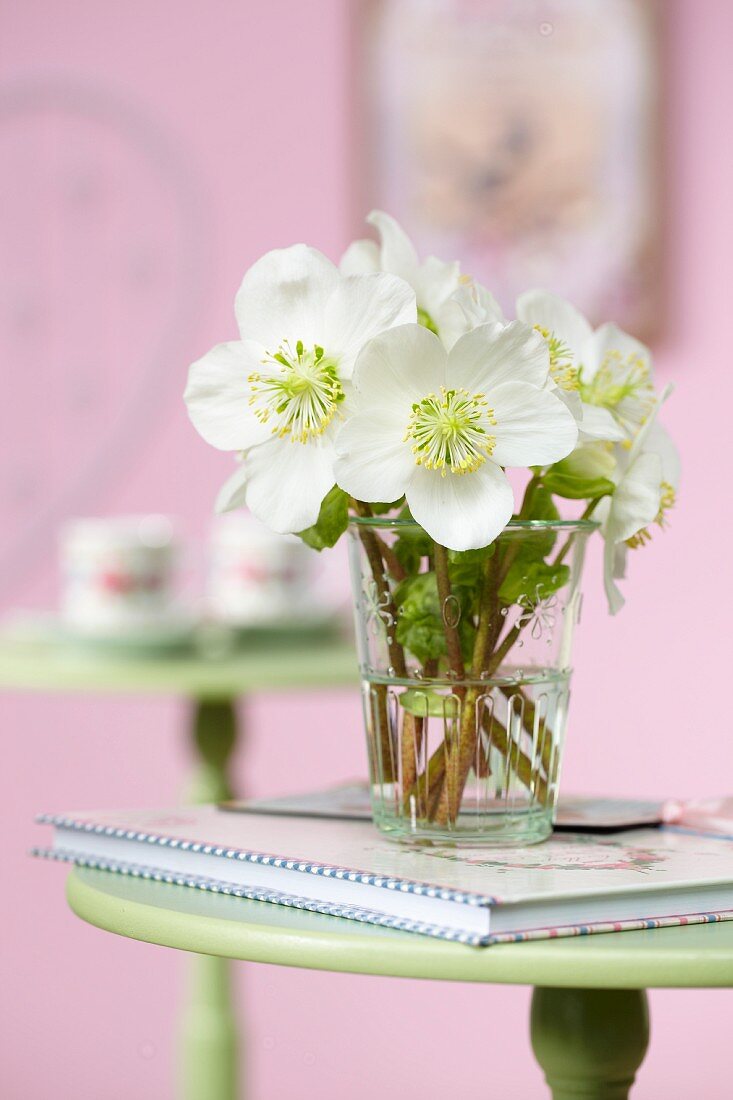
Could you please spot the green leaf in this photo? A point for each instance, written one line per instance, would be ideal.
(533, 543)
(411, 547)
(532, 579)
(426, 702)
(578, 488)
(464, 569)
(380, 509)
(543, 506)
(471, 557)
(465, 581)
(420, 626)
(333, 519)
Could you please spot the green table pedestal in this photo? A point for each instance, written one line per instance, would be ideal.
(208, 1062)
(589, 1042)
(210, 1051)
(589, 1024)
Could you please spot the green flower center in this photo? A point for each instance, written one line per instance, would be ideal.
(562, 371)
(450, 431)
(298, 392)
(424, 319)
(621, 383)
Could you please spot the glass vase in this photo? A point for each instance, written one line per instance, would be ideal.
(465, 665)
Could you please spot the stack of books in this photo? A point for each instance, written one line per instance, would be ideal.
(609, 877)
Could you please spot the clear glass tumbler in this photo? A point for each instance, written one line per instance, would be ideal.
(465, 663)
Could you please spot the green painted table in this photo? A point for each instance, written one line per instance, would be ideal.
(265, 662)
(589, 1021)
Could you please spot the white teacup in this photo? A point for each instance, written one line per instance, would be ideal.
(118, 574)
(257, 577)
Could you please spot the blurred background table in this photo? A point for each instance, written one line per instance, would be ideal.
(589, 1020)
(213, 684)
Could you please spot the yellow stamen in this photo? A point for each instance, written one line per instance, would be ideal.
(667, 501)
(562, 371)
(299, 391)
(450, 431)
(624, 385)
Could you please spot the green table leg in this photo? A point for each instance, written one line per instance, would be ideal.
(208, 1065)
(590, 1042)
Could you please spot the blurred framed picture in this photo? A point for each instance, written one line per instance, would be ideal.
(522, 137)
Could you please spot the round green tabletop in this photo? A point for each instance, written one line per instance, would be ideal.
(235, 928)
(261, 663)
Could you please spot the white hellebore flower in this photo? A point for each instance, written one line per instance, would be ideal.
(574, 357)
(433, 280)
(276, 396)
(471, 305)
(647, 477)
(440, 426)
(616, 374)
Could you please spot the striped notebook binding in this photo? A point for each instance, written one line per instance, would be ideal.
(470, 896)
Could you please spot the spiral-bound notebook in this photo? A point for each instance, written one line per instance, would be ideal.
(570, 885)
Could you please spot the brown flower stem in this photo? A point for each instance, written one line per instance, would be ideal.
(433, 793)
(429, 785)
(384, 592)
(528, 717)
(498, 570)
(501, 651)
(445, 595)
(394, 565)
(463, 750)
(523, 765)
(372, 548)
(412, 730)
(380, 741)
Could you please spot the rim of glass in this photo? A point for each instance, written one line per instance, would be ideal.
(513, 525)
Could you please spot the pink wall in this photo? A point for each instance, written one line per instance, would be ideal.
(251, 99)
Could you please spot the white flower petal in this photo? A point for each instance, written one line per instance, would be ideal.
(470, 306)
(635, 503)
(233, 491)
(286, 482)
(493, 354)
(570, 399)
(453, 322)
(598, 423)
(283, 296)
(217, 396)
(601, 510)
(397, 251)
(361, 307)
(639, 443)
(534, 428)
(659, 442)
(558, 316)
(606, 339)
(399, 367)
(436, 282)
(374, 462)
(461, 511)
(613, 568)
(361, 258)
